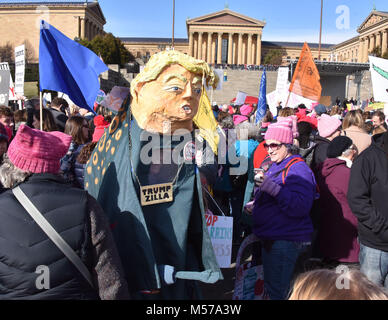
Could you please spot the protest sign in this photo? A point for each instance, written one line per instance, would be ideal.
(379, 74)
(115, 98)
(221, 234)
(4, 86)
(20, 55)
(11, 94)
(282, 82)
(240, 99)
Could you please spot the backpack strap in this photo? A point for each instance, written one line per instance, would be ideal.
(288, 167)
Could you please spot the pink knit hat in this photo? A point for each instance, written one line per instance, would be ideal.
(281, 131)
(294, 119)
(237, 119)
(327, 125)
(37, 151)
(246, 109)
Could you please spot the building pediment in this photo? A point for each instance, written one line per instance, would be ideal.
(373, 19)
(96, 9)
(226, 17)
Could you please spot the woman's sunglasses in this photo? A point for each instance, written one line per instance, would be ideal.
(273, 146)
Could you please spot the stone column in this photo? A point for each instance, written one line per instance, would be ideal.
(191, 43)
(361, 51)
(219, 49)
(372, 42)
(249, 49)
(214, 51)
(230, 48)
(83, 28)
(258, 49)
(195, 55)
(239, 48)
(378, 40)
(235, 50)
(200, 45)
(209, 48)
(90, 30)
(385, 41)
(366, 49)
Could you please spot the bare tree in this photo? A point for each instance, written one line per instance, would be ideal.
(7, 53)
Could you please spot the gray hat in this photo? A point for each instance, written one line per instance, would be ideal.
(320, 109)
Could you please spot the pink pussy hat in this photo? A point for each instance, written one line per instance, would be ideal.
(37, 151)
(237, 119)
(245, 110)
(281, 131)
(328, 125)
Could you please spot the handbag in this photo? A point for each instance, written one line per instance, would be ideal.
(249, 284)
(52, 234)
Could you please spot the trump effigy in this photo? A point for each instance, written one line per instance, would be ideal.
(145, 174)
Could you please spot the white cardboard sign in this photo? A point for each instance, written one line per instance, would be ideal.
(20, 55)
(221, 234)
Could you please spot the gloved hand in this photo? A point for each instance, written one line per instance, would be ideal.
(270, 187)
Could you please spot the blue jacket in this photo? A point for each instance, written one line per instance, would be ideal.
(286, 217)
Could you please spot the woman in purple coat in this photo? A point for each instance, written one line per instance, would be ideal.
(338, 230)
(281, 210)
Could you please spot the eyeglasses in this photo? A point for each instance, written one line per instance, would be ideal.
(273, 146)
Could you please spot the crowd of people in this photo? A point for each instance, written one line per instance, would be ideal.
(313, 192)
(319, 183)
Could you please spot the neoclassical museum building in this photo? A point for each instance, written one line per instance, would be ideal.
(224, 37)
(228, 37)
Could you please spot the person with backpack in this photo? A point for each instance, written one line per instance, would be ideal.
(281, 213)
(56, 242)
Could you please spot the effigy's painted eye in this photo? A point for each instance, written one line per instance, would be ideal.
(173, 89)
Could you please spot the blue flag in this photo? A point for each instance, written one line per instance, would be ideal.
(262, 104)
(68, 67)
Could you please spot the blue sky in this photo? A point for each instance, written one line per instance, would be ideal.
(286, 20)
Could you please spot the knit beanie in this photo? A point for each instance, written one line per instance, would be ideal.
(237, 119)
(37, 151)
(328, 125)
(338, 146)
(294, 119)
(100, 125)
(246, 110)
(281, 131)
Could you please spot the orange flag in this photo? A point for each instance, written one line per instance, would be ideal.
(305, 81)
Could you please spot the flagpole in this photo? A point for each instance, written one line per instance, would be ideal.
(289, 95)
(41, 110)
(173, 23)
(320, 33)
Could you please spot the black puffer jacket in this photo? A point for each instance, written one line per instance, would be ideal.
(24, 246)
(367, 196)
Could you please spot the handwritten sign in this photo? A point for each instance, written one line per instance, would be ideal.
(221, 234)
(4, 86)
(20, 55)
(155, 194)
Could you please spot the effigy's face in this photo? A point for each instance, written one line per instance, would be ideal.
(173, 97)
